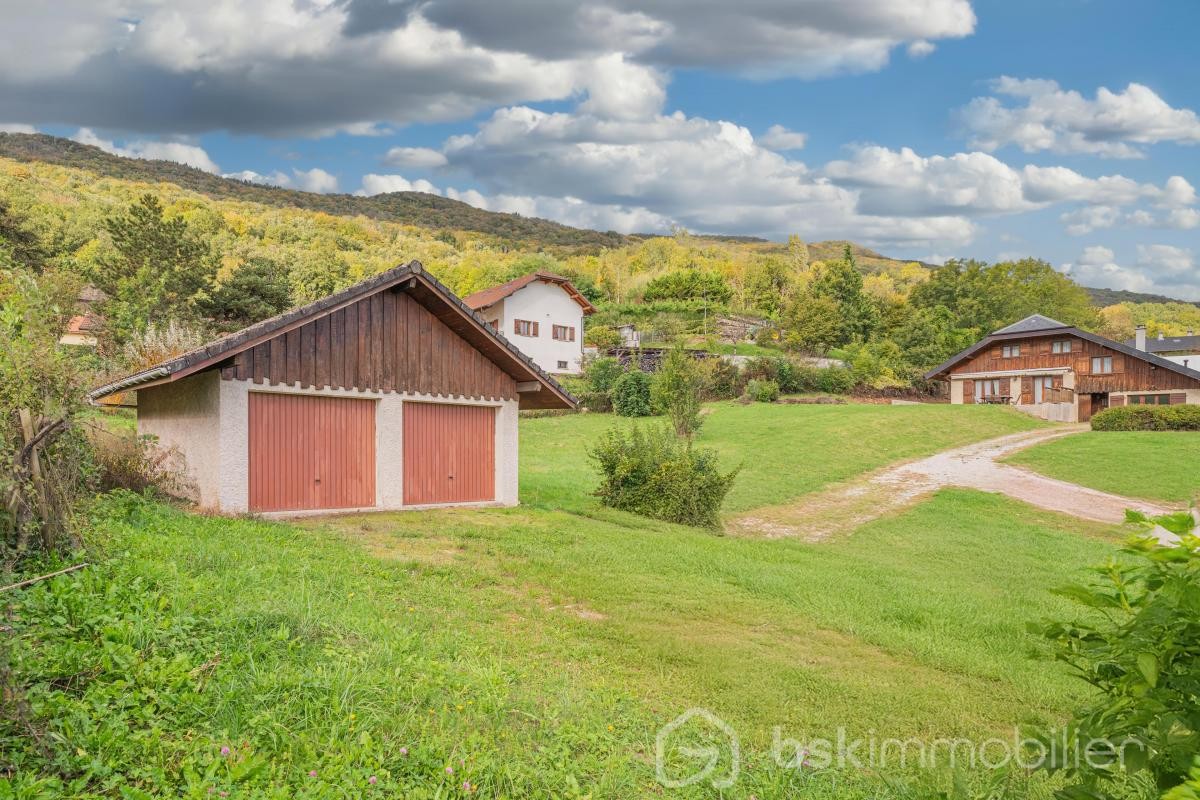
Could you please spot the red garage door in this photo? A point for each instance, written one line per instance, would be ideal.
(449, 453)
(311, 452)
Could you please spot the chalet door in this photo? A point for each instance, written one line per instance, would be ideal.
(309, 452)
(449, 453)
(1099, 402)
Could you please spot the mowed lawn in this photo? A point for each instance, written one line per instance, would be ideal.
(784, 450)
(1155, 465)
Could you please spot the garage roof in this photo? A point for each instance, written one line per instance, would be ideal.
(542, 390)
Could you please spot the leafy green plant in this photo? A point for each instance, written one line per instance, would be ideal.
(602, 373)
(656, 474)
(675, 390)
(1138, 643)
(631, 394)
(1148, 418)
(762, 391)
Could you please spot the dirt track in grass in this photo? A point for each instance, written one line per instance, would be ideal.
(842, 508)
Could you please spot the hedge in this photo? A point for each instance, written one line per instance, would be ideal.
(1148, 418)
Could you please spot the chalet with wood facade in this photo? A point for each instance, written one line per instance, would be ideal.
(1058, 372)
(390, 394)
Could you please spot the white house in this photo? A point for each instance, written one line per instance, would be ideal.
(542, 314)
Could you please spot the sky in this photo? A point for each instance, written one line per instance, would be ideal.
(931, 129)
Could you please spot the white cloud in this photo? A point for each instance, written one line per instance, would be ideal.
(1113, 124)
(920, 48)
(190, 154)
(276, 178)
(416, 157)
(1159, 268)
(1090, 218)
(373, 184)
(315, 180)
(1183, 219)
(16, 127)
(778, 137)
(361, 66)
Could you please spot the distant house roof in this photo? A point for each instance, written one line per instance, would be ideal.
(467, 324)
(1038, 325)
(489, 297)
(1170, 344)
(1034, 322)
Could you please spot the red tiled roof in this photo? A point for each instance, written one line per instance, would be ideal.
(488, 297)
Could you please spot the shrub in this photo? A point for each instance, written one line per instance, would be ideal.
(724, 381)
(602, 373)
(675, 391)
(600, 402)
(138, 464)
(602, 337)
(631, 394)
(1148, 418)
(1139, 651)
(656, 474)
(835, 380)
(689, 284)
(763, 391)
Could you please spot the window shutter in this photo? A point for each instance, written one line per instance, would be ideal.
(516, 326)
(535, 329)
(572, 330)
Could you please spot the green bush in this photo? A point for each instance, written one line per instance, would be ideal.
(631, 394)
(689, 284)
(655, 474)
(724, 380)
(1148, 418)
(600, 402)
(602, 373)
(1140, 652)
(835, 380)
(675, 390)
(763, 391)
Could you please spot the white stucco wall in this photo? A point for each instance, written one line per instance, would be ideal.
(389, 441)
(548, 304)
(956, 391)
(185, 416)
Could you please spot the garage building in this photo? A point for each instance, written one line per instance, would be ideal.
(390, 394)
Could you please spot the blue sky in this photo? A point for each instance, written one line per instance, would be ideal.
(1062, 129)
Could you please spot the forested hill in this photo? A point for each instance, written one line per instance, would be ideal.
(407, 208)
(424, 210)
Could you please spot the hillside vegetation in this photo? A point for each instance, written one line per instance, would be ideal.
(174, 246)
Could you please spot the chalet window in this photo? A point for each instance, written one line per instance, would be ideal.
(988, 389)
(1101, 365)
(1149, 399)
(562, 365)
(1063, 346)
(523, 327)
(1011, 350)
(563, 333)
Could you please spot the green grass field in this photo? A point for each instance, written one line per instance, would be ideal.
(1155, 465)
(784, 450)
(536, 651)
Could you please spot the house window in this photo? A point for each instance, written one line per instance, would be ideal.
(986, 390)
(523, 327)
(563, 333)
(1149, 399)
(1063, 346)
(1011, 350)
(1101, 365)
(562, 365)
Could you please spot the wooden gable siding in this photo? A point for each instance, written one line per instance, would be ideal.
(1129, 373)
(386, 342)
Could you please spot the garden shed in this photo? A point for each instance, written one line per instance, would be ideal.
(390, 394)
